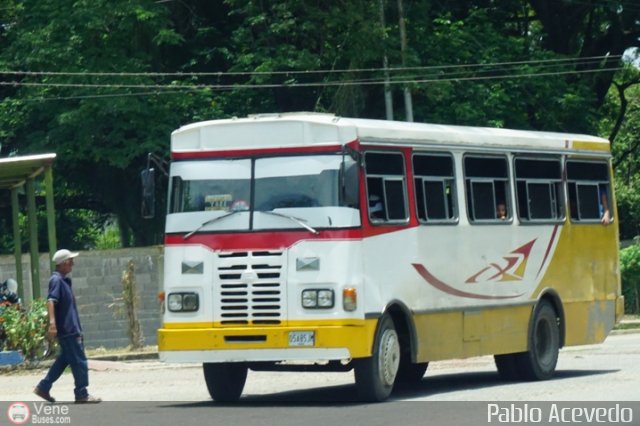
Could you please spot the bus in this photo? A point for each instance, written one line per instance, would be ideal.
(312, 242)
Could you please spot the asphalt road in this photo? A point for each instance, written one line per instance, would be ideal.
(598, 376)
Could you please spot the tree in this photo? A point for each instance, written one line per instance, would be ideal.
(621, 121)
(99, 81)
(590, 29)
(101, 126)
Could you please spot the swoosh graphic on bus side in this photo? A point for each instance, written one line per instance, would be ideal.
(435, 282)
(546, 253)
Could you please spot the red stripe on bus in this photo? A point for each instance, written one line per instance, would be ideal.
(276, 240)
(203, 155)
(258, 240)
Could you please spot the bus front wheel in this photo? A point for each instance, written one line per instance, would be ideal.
(376, 375)
(539, 362)
(225, 381)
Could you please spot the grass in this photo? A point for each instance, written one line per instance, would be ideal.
(629, 322)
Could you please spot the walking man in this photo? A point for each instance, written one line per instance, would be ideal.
(64, 323)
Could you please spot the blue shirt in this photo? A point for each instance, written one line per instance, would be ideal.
(66, 311)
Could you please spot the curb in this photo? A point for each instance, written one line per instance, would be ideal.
(126, 356)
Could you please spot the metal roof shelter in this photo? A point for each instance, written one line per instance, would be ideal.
(20, 173)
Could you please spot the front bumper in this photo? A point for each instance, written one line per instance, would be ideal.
(185, 343)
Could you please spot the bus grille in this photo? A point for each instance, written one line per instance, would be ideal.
(250, 290)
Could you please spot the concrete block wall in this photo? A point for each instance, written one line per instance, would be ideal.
(97, 283)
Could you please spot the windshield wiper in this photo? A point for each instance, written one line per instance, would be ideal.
(210, 221)
(293, 218)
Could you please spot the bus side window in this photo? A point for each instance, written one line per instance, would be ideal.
(539, 189)
(487, 187)
(386, 187)
(589, 191)
(435, 187)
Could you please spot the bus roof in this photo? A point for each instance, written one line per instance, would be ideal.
(270, 131)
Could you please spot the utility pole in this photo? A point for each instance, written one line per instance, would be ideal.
(408, 104)
(388, 99)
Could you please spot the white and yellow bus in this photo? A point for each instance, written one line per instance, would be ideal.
(320, 242)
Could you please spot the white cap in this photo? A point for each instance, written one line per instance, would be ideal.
(62, 255)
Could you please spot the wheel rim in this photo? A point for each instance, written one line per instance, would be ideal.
(389, 360)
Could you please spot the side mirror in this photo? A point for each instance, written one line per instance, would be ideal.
(148, 193)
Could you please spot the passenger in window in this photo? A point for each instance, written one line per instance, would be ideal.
(376, 209)
(605, 213)
(501, 210)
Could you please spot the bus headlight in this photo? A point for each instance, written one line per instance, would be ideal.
(183, 302)
(318, 299)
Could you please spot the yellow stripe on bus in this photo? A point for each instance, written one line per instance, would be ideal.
(590, 146)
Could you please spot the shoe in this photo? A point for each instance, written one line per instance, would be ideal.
(89, 399)
(44, 395)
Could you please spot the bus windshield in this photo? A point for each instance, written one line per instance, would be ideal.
(293, 192)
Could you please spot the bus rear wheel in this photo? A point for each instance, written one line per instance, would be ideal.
(539, 362)
(225, 381)
(376, 375)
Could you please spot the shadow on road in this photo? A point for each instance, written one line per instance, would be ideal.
(440, 384)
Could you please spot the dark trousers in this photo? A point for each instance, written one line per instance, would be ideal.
(71, 354)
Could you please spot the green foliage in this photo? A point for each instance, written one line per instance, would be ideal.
(108, 239)
(25, 330)
(628, 202)
(101, 133)
(630, 275)
(95, 81)
(624, 98)
(77, 229)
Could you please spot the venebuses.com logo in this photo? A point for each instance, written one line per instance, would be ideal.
(18, 413)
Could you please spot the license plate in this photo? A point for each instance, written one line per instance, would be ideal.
(301, 338)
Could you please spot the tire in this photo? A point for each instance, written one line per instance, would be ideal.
(225, 381)
(410, 374)
(376, 375)
(507, 367)
(539, 362)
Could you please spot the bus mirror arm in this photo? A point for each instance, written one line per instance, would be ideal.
(159, 162)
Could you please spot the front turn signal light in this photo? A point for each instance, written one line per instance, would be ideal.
(349, 299)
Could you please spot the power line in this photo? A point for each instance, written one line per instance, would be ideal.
(456, 74)
(223, 87)
(539, 62)
(112, 95)
(438, 74)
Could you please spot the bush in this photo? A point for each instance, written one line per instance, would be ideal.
(630, 275)
(25, 330)
(628, 200)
